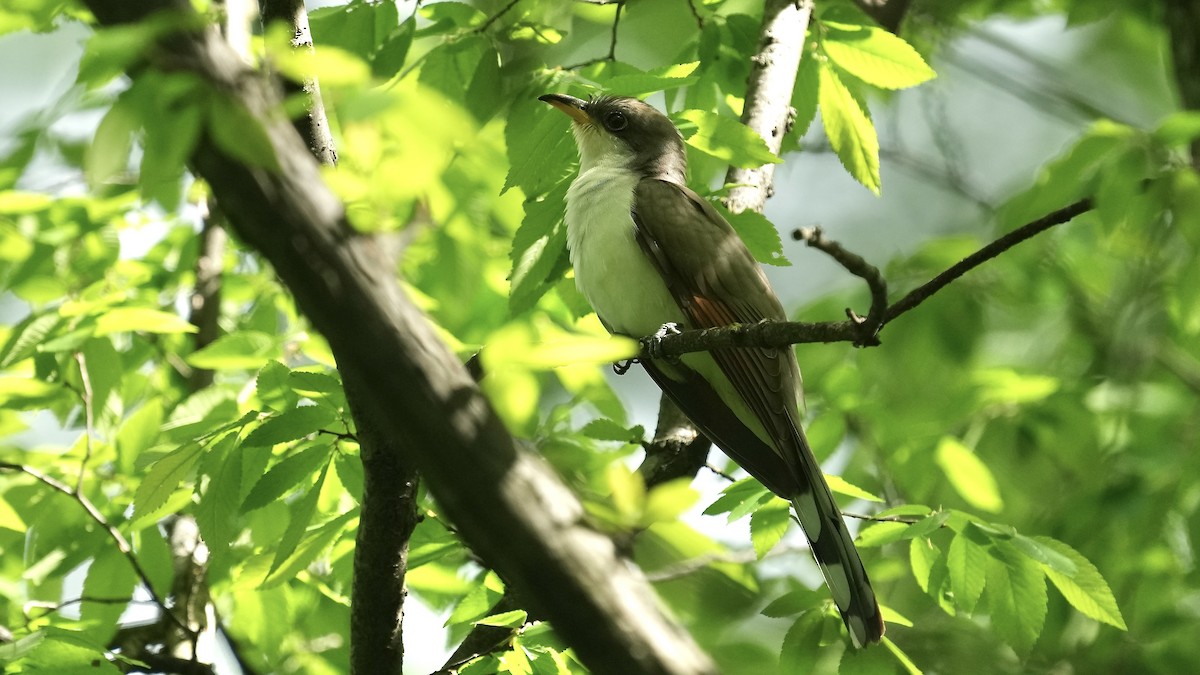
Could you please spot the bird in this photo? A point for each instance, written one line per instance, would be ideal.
(649, 254)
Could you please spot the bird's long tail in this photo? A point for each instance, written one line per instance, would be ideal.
(838, 559)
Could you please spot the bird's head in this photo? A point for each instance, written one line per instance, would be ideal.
(624, 133)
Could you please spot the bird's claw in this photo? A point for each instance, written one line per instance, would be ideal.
(653, 343)
(622, 367)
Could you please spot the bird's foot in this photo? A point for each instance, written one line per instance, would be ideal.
(653, 343)
(622, 367)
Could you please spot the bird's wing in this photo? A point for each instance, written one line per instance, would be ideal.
(716, 282)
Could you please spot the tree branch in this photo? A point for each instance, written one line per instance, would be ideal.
(113, 533)
(507, 504)
(858, 331)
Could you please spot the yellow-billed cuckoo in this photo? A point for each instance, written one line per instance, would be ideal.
(648, 251)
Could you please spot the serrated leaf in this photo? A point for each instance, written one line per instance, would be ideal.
(874, 55)
(967, 563)
(789, 604)
(302, 514)
(285, 475)
(905, 510)
(1086, 589)
(1043, 554)
(849, 129)
(541, 151)
(216, 514)
(141, 320)
(390, 57)
(290, 425)
(1016, 591)
(736, 495)
(724, 138)
(758, 233)
(539, 249)
(26, 336)
(802, 644)
(768, 524)
(968, 475)
(659, 79)
(310, 547)
(162, 479)
(604, 429)
(927, 525)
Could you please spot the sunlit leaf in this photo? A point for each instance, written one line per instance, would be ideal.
(724, 138)
(969, 476)
(1086, 589)
(874, 55)
(849, 128)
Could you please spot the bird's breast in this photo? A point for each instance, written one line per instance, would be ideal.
(611, 270)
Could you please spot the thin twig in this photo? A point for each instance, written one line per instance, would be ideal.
(881, 519)
(696, 14)
(922, 293)
(49, 608)
(612, 43)
(493, 18)
(856, 265)
(779, 334)
(720, 473)
(88, 419)
(119, 539)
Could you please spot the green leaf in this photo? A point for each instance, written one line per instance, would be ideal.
(139, 431)
(659, 79)
(724, 138)
(849, 129)
(26, 393)
(1016, 590)
(736, 495)
(805, 95)
(108, 154)
(768, 524)
(758, 233)
(218, 509)
(512, 619)
(802, 644)
(108, 576)
(967, 563)
(480, 600)
(290, 425)
(390, 57)
(172, 108)
(904, 660)
(356, 27)
(142, 320)
(314, 543)
(842, 486)
(240, 134)
(286, 474)
(541, 153)
(969, 476)
(874, 55)
(302, 514)
(879, 534)
(927, 525)
(241, 350)
(668, 501)
(604, 429)
(163, 477)
(1045, 555)
(25, 337)
(539, 249)
(1086, 589)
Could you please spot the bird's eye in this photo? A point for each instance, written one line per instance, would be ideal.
(615, 121)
